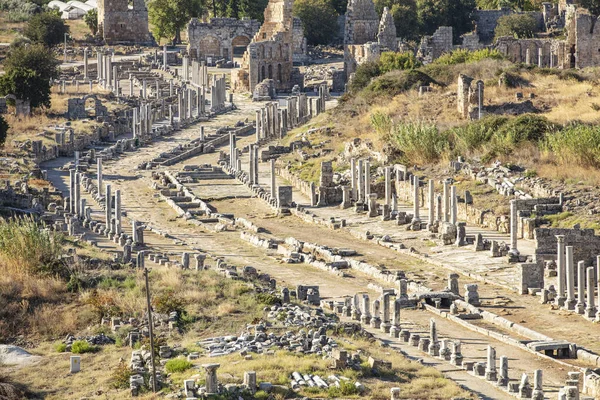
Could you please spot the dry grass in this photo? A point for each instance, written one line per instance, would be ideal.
(9, 30)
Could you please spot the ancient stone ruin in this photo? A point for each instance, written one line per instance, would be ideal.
(117, 24)
(270, 54)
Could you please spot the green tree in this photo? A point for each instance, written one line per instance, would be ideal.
(91, 20)
(47, 28)
(340, 6)
(455, 13)
(253, 9)
(169, 17)
(517, 25)
(592, 5)
(406, 19)
(233, 9)
(3, 130)
(28, 70)
(319, 19)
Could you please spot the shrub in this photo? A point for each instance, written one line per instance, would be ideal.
(119, 378)
(82, 346)
(363, 75)
(463, 56)
(390, 61)
(576, 144)
(60, 347)
(178, 365)
(420, 142)
(346, 388)
(3, 130)
(27, 248)
(396, 82)
(168, 302)
(18, 10)
(267, 298)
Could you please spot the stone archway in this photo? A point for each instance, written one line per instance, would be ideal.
(239, 44)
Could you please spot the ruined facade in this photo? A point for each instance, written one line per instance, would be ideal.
(468, 94)
(362, 22)
(119, 24)
(433, 46)
(487, 20)
(270, 54)
(387, 31)
(356, 54)
(221, 38)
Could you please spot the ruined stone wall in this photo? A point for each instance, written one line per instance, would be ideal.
(119, 24)
(219, 37)
(362, 22)
(583, 38)
(586, 245)
(487, 20)
(270, 55)
(432, 47)
(354, 55)
(300, 46)
(527, 51)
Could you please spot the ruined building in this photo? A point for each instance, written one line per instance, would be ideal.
(221, 38)
(270, 54)
(118, 24)
(365, 34)
(387, 31)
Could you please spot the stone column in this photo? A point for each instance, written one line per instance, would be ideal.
(258, 122)
(353, 176)
(431, 196)
(590, 309)
(256, 165)
(130, 85)
(388, 186)
(560, 270)
(212, 384)
(395, 328)
(490, 370)
(72, 191)
(144, 89)
(514, 224)
(454, 209)
(108, 208)
(273, 191)
(232, 150)
(527, 57)
(540, 57)
(416, 218)
(434, 344)
(580, 306)
(361, 182)
(538, 390)
(365, 317)
(250, 381)
(598, 283)
(367, 179)
(185, 260)
(385, 320)
(375, 318)
(570, 302)
(438, 208)
(165, 63)
(118, 211)
(85, 63)
(503, 378)
(446, 202)
(251, 163)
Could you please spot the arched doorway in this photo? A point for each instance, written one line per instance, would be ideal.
(270, 71)
(239, 45)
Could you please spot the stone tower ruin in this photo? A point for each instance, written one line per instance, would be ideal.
(120, 25)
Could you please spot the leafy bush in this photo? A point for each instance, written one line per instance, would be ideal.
(396, 82)
(347, 388)
(390, 61)
(463, 56)
(91, 20)
(82, 346)
(18, 10)
(518, 25)
(363, 75)
(119, 378)
(60, 347)
(168, 302)
(178, 365)
(267, 298)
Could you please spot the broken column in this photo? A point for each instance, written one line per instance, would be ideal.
(200, 258)
(353, 177)
(361, 182)
(434, 344)
(385, 320)
(375, 319)
(490, 370)
(365, 318)
(503, 378)
(514, 226)
(212, 384)
(118, 223)
(453, 205)
(395, 328)
(250, 381)
(273, 192)
(560, 271)
(456, 357)
(538, 391)
(388, 186)
(446, 203)
(108, 207)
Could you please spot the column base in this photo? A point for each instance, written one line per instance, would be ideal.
(570, 304)
(560, 301)
(580, 308)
